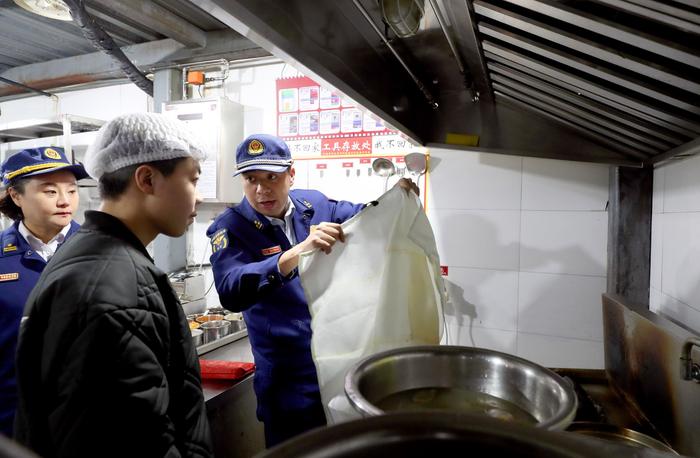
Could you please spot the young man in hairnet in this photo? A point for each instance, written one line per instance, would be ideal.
(256, 247)
(105, 362)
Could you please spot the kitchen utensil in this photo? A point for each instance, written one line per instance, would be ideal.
(466, 379)
(416, 164)
(443, 434)
(384, 168)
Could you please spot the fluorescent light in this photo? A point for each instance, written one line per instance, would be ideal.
(54, 9)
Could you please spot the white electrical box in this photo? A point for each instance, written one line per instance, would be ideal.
(219, 124)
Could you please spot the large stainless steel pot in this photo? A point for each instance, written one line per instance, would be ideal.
(511, 387)
(442, 434)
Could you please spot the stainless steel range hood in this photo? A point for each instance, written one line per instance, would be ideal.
(603, 81)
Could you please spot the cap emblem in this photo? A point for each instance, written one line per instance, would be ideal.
(52, 154)
(256, 148)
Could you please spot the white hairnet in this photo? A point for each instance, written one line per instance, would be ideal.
(138, 138)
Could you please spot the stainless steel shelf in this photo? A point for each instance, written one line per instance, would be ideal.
(51, 127)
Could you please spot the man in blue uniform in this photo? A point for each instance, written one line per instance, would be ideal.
(40, 195)
(256, 247)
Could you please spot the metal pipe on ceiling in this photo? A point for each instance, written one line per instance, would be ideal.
(24, 86)
(101, 40)
(428, 96)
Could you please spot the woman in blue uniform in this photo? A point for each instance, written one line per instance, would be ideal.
(40, 193)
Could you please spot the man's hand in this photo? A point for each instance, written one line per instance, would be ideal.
(408, 185)
(322, 237)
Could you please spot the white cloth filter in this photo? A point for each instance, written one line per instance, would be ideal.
(138, 138)
(379, 290)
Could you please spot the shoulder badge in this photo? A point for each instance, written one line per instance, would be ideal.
(306, 203)
(219, 240)
(52, 154)
(258, 224)
(256, 147)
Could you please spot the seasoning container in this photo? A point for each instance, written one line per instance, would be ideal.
(210, 317)
(193, 324)
(197, 337)
(214, 330)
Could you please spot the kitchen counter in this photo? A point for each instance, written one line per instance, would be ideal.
(235, 429)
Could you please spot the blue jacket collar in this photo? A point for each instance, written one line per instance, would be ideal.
(12, 243)
(258, 219)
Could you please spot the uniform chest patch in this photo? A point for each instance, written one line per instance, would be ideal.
(272, 250)
(9, 276)
(219, 240)
(9, 247)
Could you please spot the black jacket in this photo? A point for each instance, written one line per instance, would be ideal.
(105, 361)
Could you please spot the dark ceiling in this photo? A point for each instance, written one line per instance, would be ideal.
(614, 81)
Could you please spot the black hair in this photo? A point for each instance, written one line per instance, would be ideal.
(114, 184)
(7, 205)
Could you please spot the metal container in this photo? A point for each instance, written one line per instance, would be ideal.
(197, 337)
(210, 317)
(237, 325)
(478, 381)
(443, 434)
(214, 330)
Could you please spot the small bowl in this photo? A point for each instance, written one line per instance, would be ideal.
(197, 337)
(194, 316)
(193, 324)
(206, 318)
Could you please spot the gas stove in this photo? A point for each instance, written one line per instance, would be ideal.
(602, 408)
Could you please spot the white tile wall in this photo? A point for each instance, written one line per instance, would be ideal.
(682, 186)
(485, 298)
(475, 181)
(675, 244)
(475, 336)
(564, 185)
(564, 242)
(561, 305)
(657, 202)
(657, 238)
(551, 351)
(525, 243)
(486, 239)
(680, 263)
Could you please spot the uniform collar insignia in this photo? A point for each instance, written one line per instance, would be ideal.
(10, 276)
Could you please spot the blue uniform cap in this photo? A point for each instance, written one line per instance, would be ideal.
(262, 152)
(38, 161)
